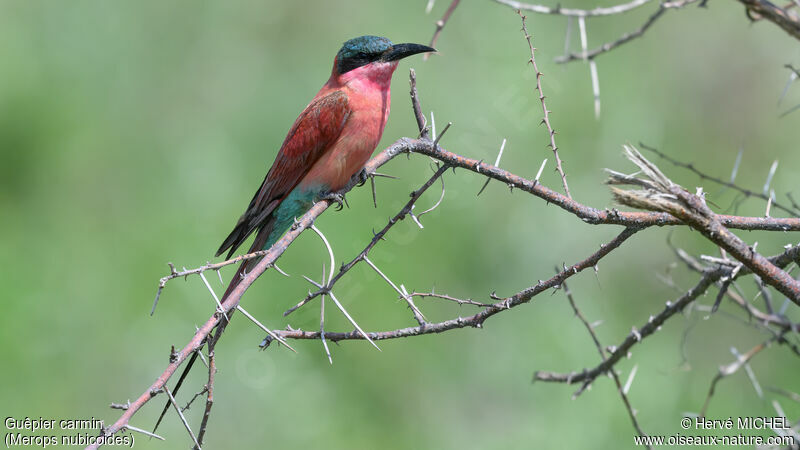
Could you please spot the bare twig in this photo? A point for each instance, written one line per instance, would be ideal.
(545, 111)
(440, 25)
(654, 323)
(570, 12)
(586, 213)
(732, 368)
(721, 182)
(212, 371)
(449, 298)
(476, 320)
(421, 121)
(625, 38)
(623, 392)
(198, 270)
(664, 195)
(588, 375)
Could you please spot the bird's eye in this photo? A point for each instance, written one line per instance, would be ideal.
(357, 59)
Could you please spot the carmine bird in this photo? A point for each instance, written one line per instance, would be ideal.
(328, 144)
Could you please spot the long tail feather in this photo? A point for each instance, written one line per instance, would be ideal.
(249, 222)
(233, 240)
(260, 243)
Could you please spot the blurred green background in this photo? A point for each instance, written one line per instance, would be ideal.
(134, 133)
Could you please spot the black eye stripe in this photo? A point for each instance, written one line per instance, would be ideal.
(357, 60)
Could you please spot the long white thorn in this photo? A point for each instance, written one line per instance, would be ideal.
(541, 168)
(402, 294)
(145, 432)
(595, 87)
(628, 383)
(330, 251)
(213, 294)
(322, 320)
(265, 329)
(792, 77)
(769, 201)
(180, 414)
(435, 205)
(496, 164)
(500, 153)
(433, 127)
(333, 297)
(352, 321)
(772, 169)
(735, 170)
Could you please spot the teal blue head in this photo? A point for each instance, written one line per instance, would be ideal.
(365, 50)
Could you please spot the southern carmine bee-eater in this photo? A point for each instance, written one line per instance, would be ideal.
(328, 144)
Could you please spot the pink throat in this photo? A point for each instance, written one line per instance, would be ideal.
(376, 75)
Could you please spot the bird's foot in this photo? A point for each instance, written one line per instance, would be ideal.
(362, 176)
(337, 198)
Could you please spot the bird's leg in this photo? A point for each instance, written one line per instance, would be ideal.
(358, 179)
(362, 176)
(339, 197)
(335, 197)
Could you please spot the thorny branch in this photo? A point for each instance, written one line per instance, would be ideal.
(784, 17)
(209, 388)
(374, 241)
(586, 213)
(662, 194)
(729, 184)
(766, 318)
(654, 323)
(569, 12)
(232, 301)
(583, 14)
(788, 20)
(545, 112)
(475, 320)
(673, 207)
(633, 221)
(625, 38)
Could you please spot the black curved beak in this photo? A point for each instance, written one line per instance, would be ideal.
(400, 51)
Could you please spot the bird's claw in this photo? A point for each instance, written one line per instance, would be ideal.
(335, 197)
(362, 176)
